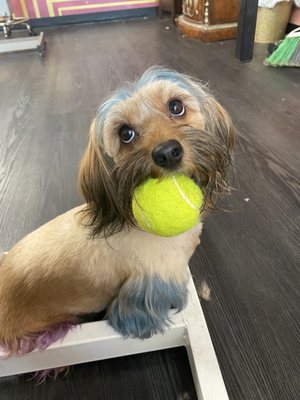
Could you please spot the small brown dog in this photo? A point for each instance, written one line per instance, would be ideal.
(95, 257)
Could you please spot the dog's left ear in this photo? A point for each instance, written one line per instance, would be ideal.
(102, 212)
(218, 122)
(219, 134)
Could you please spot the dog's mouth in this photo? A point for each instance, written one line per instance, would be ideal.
(204, 160)
(136, 169)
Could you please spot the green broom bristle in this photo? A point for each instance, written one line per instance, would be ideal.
(287, 53)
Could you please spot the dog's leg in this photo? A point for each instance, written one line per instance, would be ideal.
(142, 306)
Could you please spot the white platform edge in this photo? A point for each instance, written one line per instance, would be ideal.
(22, 44)
(98, 341)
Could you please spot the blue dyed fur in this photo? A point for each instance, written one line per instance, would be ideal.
(119, 96)
(143, 305)
(162, 74)
(153, 74)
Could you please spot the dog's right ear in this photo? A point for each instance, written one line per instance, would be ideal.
(96, 183)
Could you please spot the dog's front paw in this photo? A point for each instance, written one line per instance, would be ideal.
(143, 304)
(135, 324)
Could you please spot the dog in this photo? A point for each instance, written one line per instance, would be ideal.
(95, 257)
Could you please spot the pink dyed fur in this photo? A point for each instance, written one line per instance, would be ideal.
(40, 341)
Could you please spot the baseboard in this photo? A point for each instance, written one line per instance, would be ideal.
(94, 17)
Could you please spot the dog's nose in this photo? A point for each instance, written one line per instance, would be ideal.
(168, 155)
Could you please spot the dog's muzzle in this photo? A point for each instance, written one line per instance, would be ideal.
(168, 155)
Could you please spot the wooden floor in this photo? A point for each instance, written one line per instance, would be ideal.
(249, 255)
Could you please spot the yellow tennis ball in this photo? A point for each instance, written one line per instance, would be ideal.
(169, 206)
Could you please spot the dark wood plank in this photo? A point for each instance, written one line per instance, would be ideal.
(155, 376)
(249, 255)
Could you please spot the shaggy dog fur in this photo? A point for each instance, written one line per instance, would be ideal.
(94, 257)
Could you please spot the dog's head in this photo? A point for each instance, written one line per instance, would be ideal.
(163, 123)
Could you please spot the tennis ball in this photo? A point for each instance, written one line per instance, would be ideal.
(167, 207)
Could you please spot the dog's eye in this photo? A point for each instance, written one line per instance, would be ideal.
(176, 108)
(126, 134)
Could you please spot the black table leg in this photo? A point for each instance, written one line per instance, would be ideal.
(246, 30)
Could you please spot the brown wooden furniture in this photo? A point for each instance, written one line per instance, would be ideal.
(209, 20)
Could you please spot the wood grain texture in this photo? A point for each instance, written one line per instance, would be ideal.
(154, 376)
(249, 255)
(205, 33)
(209, 21)
(223, 11)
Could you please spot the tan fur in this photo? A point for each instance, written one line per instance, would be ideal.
(77, 263)
(146, 111)
(57, 272)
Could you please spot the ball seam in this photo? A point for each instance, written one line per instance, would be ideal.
(145, 219)
(182, 194)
